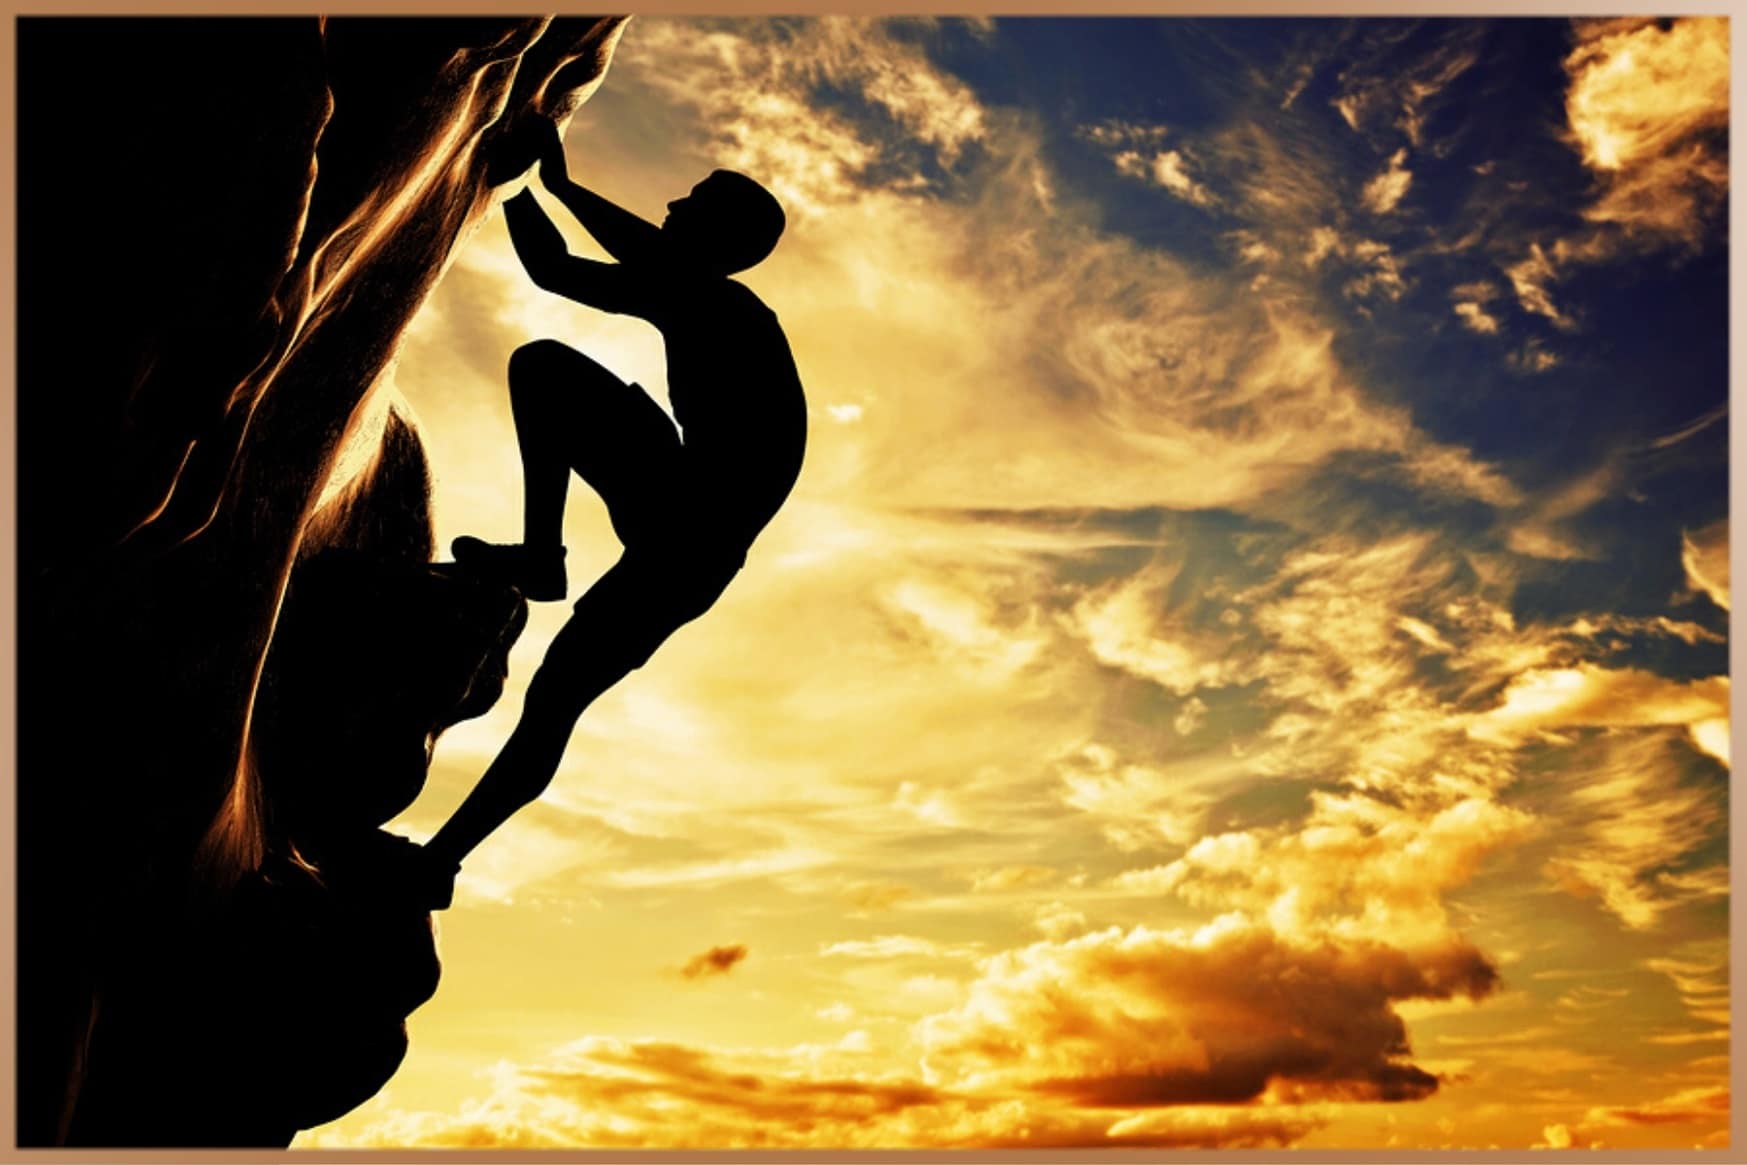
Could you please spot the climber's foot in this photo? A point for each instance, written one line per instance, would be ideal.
(538, 574)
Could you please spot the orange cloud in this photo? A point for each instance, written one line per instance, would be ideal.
(1356, 869)
(1705, 555)
(1648, 109)
(1547, 699)
(1531, 278)
(604, 1093)
(715, 961)
(1223, 1015)
(1692, 1104)
(1384, 193)
(1631, 810)
(1647, 105)
(1700, 973)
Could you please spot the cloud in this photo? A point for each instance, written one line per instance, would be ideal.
(1469, 301)
(1700, 973)
(966, 624)
(1123, 627)
(1531, 278)
(1213, 1127)
(1138, 806)
(899, 946)
(1696, 426)
(812, 158)
(1384, 193)
(1704, 553)
(717, 871)
(1058, 921)
(1380, 273)
(1631, 812)
(1555, 1136)
(715, 961)
(1647, 104)
(1531, 358)
(1475, 318)
(1549, 699)
(874, 897)
(1331, 637)
(1357, 869)
(1647, 108)
(1541, 531)
(1221, 1015)
(1168, 169)
(1684, 1107)
(1402, 87)
(1138, 151)
(931, 807)
(528, 851)
(1007, 878)
(1117, 133)
(612, 1094)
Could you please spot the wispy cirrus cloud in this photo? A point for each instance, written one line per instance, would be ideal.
(1389, 85)
(1636, 817)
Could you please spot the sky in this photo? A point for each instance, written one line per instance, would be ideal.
(1245, 662)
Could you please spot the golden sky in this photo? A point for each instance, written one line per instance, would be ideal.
(1166, 713)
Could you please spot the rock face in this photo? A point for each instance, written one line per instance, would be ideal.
(228, 681)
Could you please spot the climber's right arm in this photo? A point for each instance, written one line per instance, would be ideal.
(626, 237)
(607, 286)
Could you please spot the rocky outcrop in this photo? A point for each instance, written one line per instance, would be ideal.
(229, 679)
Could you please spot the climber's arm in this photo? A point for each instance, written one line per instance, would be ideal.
(626, 237)
(608, 286)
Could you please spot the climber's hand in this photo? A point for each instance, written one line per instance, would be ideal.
(512, 149)
(550, 146)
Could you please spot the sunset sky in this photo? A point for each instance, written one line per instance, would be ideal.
(1245, 663)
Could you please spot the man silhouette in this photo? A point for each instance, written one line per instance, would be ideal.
(686, 504)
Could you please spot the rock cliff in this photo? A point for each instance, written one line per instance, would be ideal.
(230, 676)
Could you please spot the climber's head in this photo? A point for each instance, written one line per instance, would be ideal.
(726, 224)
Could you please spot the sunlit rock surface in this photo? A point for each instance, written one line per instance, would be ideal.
(224, 226)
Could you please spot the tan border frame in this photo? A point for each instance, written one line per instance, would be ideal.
(12, 9)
